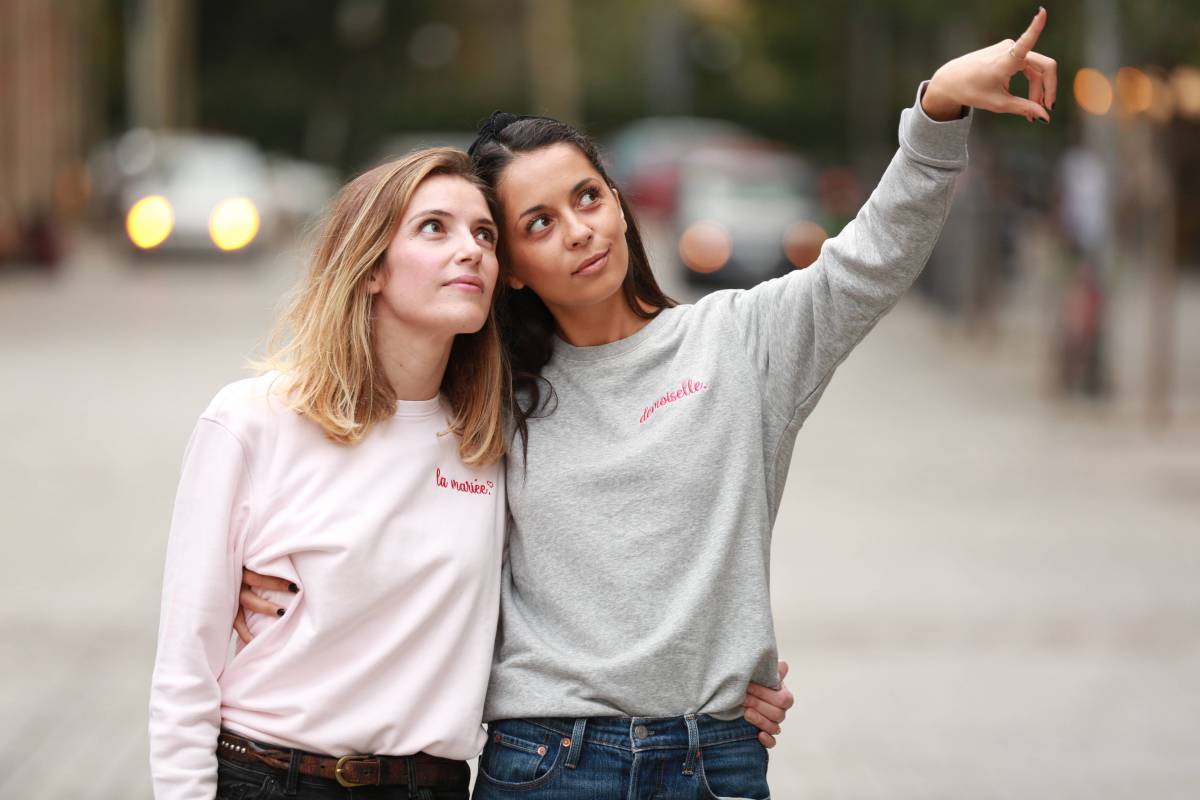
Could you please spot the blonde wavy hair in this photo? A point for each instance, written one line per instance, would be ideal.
(323, 345)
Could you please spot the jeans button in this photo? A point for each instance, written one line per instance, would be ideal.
(641, 731)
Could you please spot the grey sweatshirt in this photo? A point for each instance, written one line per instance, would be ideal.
(638, 578)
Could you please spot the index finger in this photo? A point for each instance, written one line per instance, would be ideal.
(1030, 36)
(252, 578)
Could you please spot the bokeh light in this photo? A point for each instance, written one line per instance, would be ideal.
(1186, 83)
(802, 243)
(1162, 99)
(1135, 91)
(149, 221)
(1093, 92)
(233, 223)
(705, 247)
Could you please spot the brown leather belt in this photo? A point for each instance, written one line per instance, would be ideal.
(432, 772)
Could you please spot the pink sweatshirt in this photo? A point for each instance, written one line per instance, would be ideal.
(396, 548)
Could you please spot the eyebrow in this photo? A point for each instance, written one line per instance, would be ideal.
(542, 207)
(432, 212)
(437, 212)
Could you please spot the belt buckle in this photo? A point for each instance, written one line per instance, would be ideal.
(349, 784)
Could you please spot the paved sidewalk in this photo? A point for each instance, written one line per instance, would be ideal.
(982, 594)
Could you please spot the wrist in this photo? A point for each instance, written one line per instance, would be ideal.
(938, 105)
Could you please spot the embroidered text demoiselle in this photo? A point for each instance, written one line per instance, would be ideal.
(688, 387)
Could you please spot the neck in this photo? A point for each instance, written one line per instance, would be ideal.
(414, 362)
(604, 323)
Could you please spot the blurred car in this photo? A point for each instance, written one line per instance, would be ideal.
(746, 213)
(193, 192)
(644, 157)
(299, 189)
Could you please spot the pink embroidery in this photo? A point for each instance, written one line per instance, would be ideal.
(686, 389)
(466, 487)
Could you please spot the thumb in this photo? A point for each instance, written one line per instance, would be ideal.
(783, 670)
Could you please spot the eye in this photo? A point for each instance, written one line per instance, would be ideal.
(538, 224)
(431, 226)
(589, 197)
(486, 235)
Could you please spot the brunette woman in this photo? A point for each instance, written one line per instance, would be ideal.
(652, 446)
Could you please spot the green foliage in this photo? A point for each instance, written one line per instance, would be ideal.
(828, 76)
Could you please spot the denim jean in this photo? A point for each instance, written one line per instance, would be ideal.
(611, 758)
(238, 781)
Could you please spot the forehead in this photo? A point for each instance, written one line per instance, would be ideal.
(540, 176)
(451, 193)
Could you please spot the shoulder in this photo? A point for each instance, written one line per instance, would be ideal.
(738, 303)
(248, 407)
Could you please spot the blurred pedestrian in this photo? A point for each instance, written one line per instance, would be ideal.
(1081, 362)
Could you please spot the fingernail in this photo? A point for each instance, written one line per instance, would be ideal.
(293, 588)
(279, 612)
(1043, 121)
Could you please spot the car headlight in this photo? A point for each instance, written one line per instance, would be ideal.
(149, 221)
(233, 223)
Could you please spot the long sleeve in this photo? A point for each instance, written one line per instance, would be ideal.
(797, 329)
(200, 589)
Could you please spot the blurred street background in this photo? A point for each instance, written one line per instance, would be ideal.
(986, 564)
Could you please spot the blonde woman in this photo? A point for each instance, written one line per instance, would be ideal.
(362, 468)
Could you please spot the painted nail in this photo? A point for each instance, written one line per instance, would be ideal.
(279, 612)
(293, 588)
(1043, 121)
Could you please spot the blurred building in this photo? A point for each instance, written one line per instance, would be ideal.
(42, 125)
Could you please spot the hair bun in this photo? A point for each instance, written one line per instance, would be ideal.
(491, 127)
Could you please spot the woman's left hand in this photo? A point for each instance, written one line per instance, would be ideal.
(980, 79)
(766, 707)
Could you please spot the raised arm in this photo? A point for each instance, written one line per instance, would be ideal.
(798, 328)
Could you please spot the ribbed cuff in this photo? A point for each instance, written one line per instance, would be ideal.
(938, 144)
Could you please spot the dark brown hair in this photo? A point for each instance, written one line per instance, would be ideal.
(526, 324)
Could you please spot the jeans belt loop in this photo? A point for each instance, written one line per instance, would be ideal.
(411, 764)
(689, 763)
(576, 742)
(291, 787)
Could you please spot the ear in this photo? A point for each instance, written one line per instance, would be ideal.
(620, 208)
(376, 281)
(515, 282)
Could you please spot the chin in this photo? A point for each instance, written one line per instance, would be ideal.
(603, 290)
(472, 324)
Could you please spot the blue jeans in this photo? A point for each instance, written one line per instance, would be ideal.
(615, 758)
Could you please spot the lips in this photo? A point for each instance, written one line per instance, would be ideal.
(466, 282)
(592, 264)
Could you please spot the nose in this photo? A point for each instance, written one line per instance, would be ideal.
(469, 250)
(578, 233)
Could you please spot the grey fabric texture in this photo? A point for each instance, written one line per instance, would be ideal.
(637, 581)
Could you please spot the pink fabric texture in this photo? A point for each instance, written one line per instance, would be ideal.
(396, 547)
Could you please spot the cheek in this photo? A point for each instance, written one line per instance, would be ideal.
(532, 262)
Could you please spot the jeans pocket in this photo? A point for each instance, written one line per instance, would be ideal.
(735, 771)
(239, 782)
(520, 755)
